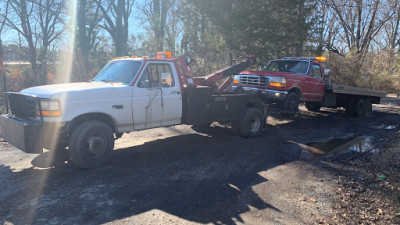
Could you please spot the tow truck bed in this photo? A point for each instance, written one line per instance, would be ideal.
(342, 89)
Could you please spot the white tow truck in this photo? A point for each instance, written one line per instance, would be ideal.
(128, 94)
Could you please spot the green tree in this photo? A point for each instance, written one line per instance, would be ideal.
(272, 28)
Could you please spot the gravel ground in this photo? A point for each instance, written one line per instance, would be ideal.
(188, 175)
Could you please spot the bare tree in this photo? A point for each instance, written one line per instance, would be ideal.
(156, 12)
(51, 26)
(3, 16)
(359, 22)
(174, 26)
(38, 24)
(116, 22)
(390, 37)
(88, 18)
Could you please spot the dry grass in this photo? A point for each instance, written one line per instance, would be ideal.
(377, 70)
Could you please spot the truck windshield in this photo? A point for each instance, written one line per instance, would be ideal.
(122, 71)
(287, 66)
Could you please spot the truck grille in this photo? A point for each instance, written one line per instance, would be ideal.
(254, 80)
(23, 106)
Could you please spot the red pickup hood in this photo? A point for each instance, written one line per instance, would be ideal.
(267, 73)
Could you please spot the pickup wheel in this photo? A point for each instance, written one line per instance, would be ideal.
(251, 124)
(91, 144)
(292, 102)
(313, 106)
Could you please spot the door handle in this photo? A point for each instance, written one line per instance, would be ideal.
(176, 92)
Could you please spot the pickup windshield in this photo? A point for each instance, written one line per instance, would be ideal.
(122, 71)
(287, 66)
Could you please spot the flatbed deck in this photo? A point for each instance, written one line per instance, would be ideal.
(342, 89)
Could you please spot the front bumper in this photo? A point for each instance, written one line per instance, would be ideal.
(31, 136)
(23, 134)
(273, 95)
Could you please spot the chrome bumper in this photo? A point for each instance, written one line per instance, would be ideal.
(267, 93)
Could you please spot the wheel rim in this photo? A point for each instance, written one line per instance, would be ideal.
(95, 145)
(255, 124)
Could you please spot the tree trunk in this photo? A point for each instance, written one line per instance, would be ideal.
(301, 20)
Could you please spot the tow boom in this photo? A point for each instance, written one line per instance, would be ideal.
(211, 79)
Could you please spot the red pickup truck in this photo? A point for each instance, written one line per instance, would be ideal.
(293, 80)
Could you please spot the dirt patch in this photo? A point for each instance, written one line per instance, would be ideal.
(368, 188)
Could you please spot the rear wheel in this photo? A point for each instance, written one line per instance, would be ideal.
(356, 108)
(251, 124)
(91, 144)
(313, 106)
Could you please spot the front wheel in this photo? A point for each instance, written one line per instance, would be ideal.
(251, 124)
(91, 144)
(292, 102)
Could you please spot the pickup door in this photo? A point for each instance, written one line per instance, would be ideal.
(315, 84)
(156, 97)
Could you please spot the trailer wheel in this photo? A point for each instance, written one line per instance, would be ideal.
(313, 106)
(251, 124)
(357, 108)
(368, 105)
(292, 102)
(91, 144)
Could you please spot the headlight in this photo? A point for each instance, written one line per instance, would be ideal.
(236, 79)
(50, 108)
(278, 82)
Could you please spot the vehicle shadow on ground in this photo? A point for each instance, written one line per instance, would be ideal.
(200, 178)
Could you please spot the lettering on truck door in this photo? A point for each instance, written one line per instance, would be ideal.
(156, 100)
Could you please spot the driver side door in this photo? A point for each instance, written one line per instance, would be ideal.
(156, 100)
(315, 87)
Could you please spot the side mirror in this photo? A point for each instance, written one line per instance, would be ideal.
(188, 61)
(327, 71)
(166, 80)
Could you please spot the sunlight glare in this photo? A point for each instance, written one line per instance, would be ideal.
(64, 72)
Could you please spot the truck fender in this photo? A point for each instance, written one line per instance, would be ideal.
(107, 119)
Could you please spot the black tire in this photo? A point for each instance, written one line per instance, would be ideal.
(251, 124)
(357, 108)
(368, 105)
(313, 106)
(292, 102)
(91, 144)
